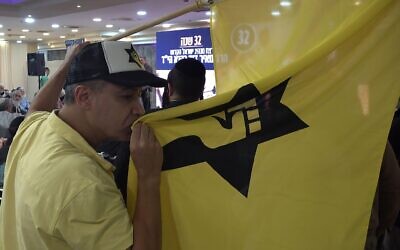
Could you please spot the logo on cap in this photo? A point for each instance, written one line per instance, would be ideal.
(134, 57)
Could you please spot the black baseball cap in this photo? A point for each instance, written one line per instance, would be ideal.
(113, 61)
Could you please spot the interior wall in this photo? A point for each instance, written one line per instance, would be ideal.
(13, 65)
(5, 64)
(19, 67)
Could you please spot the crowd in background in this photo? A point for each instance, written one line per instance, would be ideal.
(13, 106)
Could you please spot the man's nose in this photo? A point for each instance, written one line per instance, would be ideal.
(137, 108)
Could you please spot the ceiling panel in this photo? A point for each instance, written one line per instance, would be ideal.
(122, 14)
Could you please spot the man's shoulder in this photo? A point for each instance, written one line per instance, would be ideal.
(34, 117)
(37, 115)
(30, 123)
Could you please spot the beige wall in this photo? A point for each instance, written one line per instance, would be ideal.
(13, 65)
(5, 65)
(19, 67)
(32, 47)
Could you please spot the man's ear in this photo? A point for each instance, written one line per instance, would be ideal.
(83, 96)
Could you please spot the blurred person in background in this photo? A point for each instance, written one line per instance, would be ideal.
(24, 103)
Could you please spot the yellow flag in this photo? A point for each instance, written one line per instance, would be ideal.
(254, 39)
(291, 160)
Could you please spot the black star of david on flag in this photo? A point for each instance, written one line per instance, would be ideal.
(234, 161)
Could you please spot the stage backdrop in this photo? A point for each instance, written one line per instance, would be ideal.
(173, 46)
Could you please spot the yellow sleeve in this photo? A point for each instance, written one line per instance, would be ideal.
(32, 118)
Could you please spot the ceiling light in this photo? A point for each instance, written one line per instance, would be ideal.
(275, 13)
(126, 39)
(62, 37)
(166, 25)
(109, 33)
(25, 30)
(46, 34)
(22, 37)
(285, 3)
(55, 26)
(1, 33)
(78, 6)
(74, 30)
(97, 19)
(19, 41)
(109, 26)
(52, 46)
(39, 39)
(29, 19)
(208, 13)
(141, 13)
(357, 3)
(1, 26)
(122, 30)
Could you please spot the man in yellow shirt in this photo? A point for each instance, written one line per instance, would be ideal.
(59, 193)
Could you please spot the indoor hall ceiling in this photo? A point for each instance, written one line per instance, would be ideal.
(121, 14)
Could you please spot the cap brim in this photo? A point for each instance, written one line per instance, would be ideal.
(138, 78)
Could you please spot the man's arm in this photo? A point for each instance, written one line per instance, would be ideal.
(46, 99)
(147, 156)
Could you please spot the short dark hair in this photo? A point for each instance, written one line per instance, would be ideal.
(69, 97)
(188, 78)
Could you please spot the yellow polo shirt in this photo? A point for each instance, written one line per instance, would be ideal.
(59, 194)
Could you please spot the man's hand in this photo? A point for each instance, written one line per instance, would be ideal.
(72, 51)
(146, 153)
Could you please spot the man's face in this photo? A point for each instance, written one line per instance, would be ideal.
(17, 96)
(115, 109)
